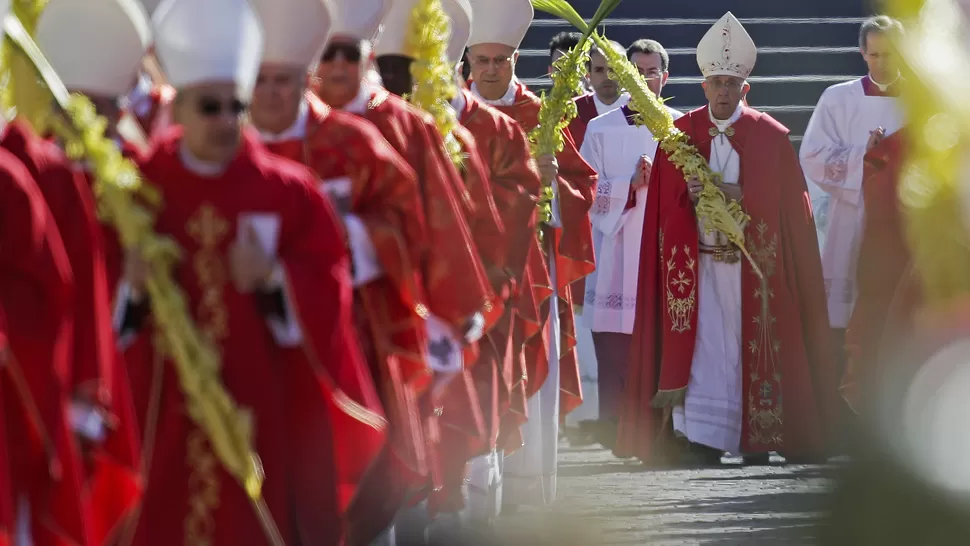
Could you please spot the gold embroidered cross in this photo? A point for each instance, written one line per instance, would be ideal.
(207, 227)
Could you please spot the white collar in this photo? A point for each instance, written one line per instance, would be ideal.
(459, 103)
(508, 99)
(359, 104)
(296, 131)
(723, 124)
(603, 108)
(884, 86)
(199, 167)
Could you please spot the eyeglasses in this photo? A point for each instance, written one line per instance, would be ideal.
(211, 107)
(484, 62)
(351, 52)
(732, 86)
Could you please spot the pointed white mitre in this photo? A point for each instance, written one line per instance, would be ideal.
(460, 13)
(294, 31)
(113, 35)
(358, 19)
(500, 22)
(726, 49)
(215, 41)
(395, 28)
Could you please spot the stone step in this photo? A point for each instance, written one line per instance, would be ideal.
(772, 61)
(686, 32)
(716, 8)
(765, 90)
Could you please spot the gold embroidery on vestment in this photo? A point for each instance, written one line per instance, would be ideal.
(680, 281)
(209, 228)
(765, 410)
(203, 490)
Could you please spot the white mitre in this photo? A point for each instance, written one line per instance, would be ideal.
(460, 13)
(215, 41)
(113, 36)
(358, 19)
(294, 31)
(395, 29)
(500, 22)
(726, 49)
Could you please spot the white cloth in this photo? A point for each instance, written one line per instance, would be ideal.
(589, 410)
(832, 159)
(712, 412)
(613, 148)
(529, 475)
(22, 535)
(484, 491)
(603, 108)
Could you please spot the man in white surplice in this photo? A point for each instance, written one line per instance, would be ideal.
(622, 154)
(850, 118)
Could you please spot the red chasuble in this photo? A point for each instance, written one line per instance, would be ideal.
(385, 196)
(36, 295)
(574, 250)
(788, 374)
(317, 420)
(515, 186)
(883, 260)
(114, 480)
(454, 278)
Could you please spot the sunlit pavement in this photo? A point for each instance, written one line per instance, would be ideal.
(603, 500)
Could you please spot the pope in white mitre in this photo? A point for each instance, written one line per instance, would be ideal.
(706, 363)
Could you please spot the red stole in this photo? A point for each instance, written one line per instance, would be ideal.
(787, 373)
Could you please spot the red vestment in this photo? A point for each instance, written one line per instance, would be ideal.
(114, 480)
(515, 186)
(789, 359)
(36, 295)
(883, 260)
(384, 194)
(454, 278)
(585, 112)
(317, 420)
(574, 252)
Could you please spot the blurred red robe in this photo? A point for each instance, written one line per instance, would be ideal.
(384, 195)
(36, 295)
(883, 261)
(94, 372)
(574, 254)
(318, 421)
(789, 361)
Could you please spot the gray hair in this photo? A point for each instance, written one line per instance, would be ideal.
(879, 24)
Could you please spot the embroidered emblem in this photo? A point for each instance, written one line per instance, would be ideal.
(714, 132)
(204, 488)
(765, 407)
(680, 280)
(209, 229)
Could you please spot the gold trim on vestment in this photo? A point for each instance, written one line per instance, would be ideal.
(765, 410)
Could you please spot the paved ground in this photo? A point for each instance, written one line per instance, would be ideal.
(607, 501)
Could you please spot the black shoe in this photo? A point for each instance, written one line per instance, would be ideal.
(699, 455)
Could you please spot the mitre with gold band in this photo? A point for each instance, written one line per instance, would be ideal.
(500, 22)
(460, 13)
(216, 41)
(114, 35)
(395, 29)
(358, 19)
(726, 50)
(294, 31)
